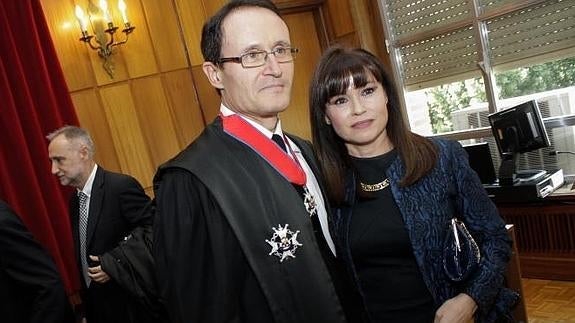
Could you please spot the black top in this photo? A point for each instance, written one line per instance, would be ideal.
(390, 278)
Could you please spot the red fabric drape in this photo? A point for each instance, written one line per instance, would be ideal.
(34, 101)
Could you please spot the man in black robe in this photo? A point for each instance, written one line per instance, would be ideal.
(241, 231)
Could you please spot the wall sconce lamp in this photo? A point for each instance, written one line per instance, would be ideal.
(104, 30)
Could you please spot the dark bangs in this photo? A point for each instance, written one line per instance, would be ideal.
(342, 68)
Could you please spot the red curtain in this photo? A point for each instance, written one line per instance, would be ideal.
(34, 101)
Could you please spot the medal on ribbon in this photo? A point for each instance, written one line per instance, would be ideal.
(283, 242)
(309, 202)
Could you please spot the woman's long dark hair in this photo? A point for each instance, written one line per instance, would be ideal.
(331, 78)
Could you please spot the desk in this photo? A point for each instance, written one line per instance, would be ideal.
(565, 191)
(545, 235)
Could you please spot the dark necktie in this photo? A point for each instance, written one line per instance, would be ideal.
(279, 141)
(83, 228)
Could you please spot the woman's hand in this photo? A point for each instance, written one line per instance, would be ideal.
(459, 309)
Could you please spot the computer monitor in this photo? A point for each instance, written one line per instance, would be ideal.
(517, 130)
(481, 162)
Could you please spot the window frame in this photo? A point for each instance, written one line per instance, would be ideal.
(478, 21)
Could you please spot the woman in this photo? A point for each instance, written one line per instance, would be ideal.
(395, 193)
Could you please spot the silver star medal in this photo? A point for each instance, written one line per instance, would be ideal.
(309, 202)
(283, 242)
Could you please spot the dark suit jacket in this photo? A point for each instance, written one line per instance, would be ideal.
(30, 286)
(116, 205)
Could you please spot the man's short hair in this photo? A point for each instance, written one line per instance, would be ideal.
(74, 133)
(212, 31)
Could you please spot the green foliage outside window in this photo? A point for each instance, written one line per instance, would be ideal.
(445, 99)
(537, 78)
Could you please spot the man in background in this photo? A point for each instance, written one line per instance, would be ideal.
(31, 289)
(241, 232)
(107, 206)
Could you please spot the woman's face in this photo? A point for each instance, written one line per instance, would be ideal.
(359, 117)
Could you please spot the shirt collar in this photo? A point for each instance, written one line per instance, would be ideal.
(87, 189)
(225, 111)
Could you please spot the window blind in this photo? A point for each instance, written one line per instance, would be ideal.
(439, 57)
(537, 31)
(435, 42)
(409, 17)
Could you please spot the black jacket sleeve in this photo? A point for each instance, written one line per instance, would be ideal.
(131, 265)
(30, 287)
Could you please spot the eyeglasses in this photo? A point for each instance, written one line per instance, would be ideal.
(258, 58)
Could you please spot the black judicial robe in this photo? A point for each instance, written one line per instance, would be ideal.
(217, 202)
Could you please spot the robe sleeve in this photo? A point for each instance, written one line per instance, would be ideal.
(201, 270)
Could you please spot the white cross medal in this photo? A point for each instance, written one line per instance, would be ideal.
(283, 242)
(309, 202)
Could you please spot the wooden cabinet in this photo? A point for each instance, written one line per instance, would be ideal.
(545, 236)
(513, 279)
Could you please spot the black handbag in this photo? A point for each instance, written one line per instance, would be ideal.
(461, 255)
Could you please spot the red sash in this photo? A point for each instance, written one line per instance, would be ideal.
(237, 127)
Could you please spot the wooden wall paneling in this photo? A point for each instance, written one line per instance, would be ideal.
(165, 31)
(211, 6)
(92, 117)
(72, 53)
(155, 118)
(293, 6)
(379, 32)
(369, 28)
(185, 107)
(316, 7)
(96, 26)
(361, 19)
(122, 117)
(138, 52)
(119, 67)
(207, 94)
(350, 40)
(340, 19)
(304, 36)
(100, 74)
(116, 111)
(320, 27)
(192, 16)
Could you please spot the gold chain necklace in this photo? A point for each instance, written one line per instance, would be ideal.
(374, 187)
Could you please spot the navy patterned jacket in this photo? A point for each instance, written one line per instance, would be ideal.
(451, 189)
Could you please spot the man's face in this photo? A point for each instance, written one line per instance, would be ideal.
(69, 160)
(260, 92)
